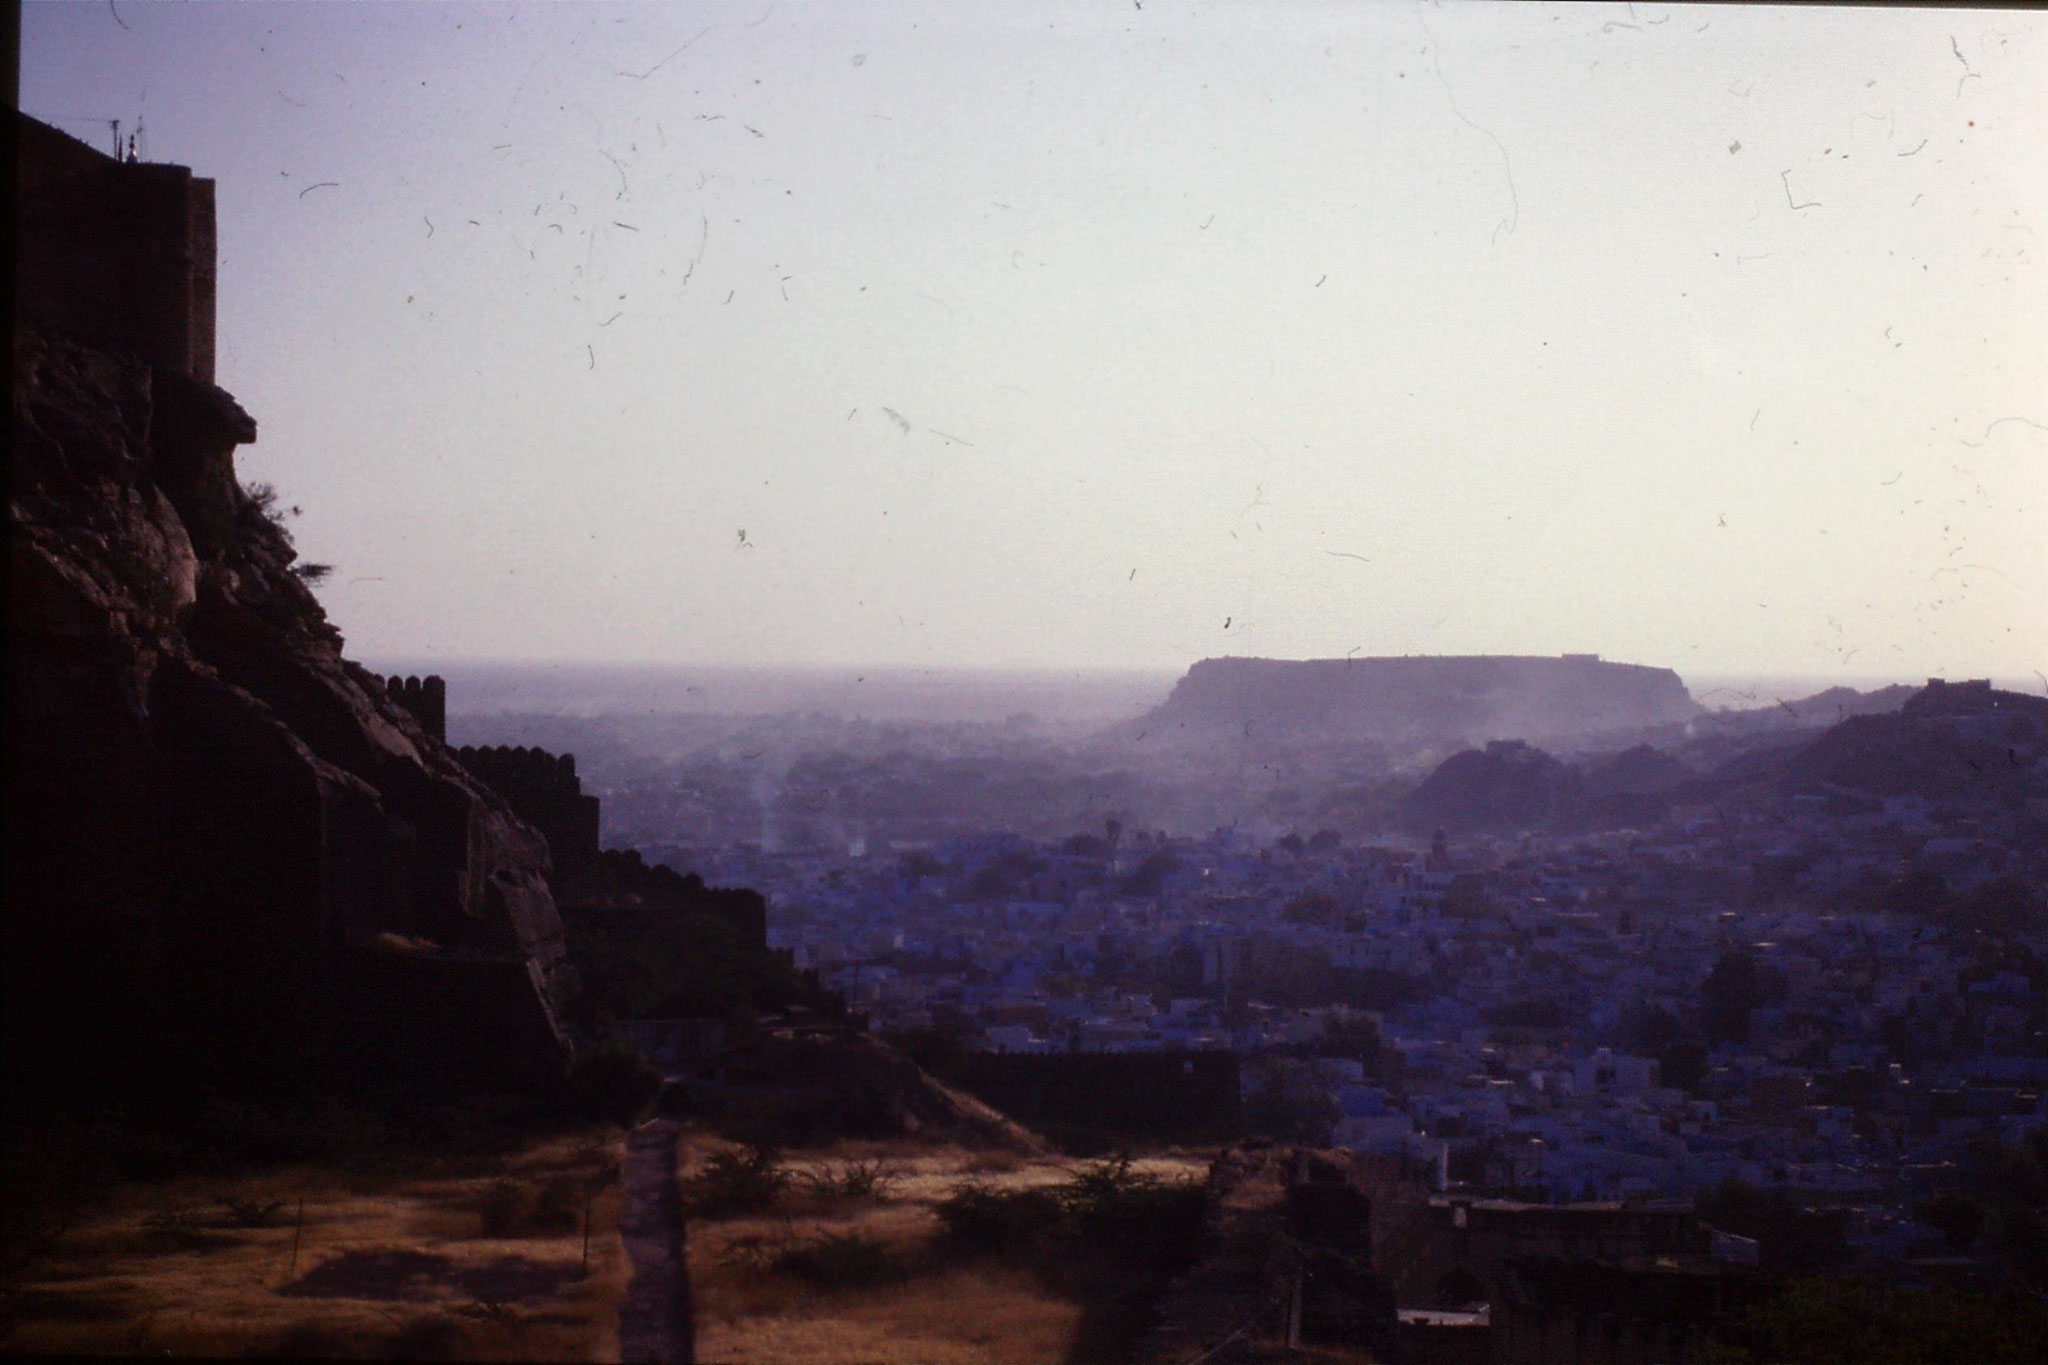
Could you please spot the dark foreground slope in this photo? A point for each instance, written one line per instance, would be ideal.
(1421, 700)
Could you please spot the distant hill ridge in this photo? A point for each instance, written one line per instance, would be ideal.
(1422, 698)
(1951, 741)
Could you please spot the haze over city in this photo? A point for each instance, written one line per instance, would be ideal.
(1120, 337)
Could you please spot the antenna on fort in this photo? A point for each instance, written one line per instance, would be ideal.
(113, 127)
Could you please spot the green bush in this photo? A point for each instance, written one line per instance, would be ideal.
(1105, 1209)
(980, 1217)
(734, 1182)
(1132, 1216)
(855, 1181)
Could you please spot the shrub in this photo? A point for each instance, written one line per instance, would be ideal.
(261, 498)
(841, 1261)
(753, 1255)
(856, 1180)
(1102, 1185)
(1104, 1209)
(979, 1217)
(1134, 1217)
(741, 1181)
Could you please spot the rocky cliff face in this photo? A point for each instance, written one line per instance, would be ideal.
(227, 849)
(1420, 700)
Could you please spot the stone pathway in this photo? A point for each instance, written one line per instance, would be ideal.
(654, 1321)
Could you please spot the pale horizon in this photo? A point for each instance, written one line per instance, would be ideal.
(480, 688)
(1074, 338)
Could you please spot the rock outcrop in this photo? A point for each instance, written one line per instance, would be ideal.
(229, 853)
(1506, 785)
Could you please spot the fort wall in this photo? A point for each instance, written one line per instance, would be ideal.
(426, 698)
(542, 789)
(118, 255)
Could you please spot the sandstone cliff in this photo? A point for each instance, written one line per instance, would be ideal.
(228, 851)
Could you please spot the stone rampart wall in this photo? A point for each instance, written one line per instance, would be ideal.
(543, 790)
(119, 255)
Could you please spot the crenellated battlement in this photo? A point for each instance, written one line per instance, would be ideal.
(427, 699)
(535, 767)
(542, 788)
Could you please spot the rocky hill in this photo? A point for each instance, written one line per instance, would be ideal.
(1962, 746)
(1419, 700)
(228, 850)
(1639, 771)
(1506, 785)
(1960, 743)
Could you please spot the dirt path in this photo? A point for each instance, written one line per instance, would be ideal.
(654, 1321)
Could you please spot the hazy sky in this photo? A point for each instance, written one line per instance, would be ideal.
(1090, 334)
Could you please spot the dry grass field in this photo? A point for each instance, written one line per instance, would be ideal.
(485, 1261)
(825, 1275)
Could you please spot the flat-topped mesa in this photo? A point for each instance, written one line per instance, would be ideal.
(1422, 698)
